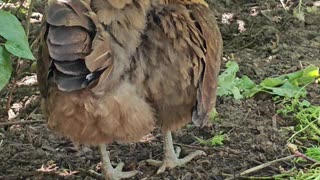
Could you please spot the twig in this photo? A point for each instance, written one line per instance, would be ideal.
(14, 85)
(266, 16)
(299, 154)
(294, 149)
(262, 177)
(192, 147)
(29, 17)
(243, 47)
(257, 168)
(20, 122)
(18, 68)
(296, 133)
(271, 167)
(283, 5)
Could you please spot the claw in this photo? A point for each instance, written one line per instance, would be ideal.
(115, 174)
(171, 156)
(111, 173)
(153, 162)
(169, 163)
(162, 169)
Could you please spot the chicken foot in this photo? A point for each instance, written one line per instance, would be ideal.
(108, 171)
(171, 156)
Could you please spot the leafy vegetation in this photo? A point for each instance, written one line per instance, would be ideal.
(314, 153)
(306, 115)
(289, 91)
(300, 11)
(288, 85)
(16, 43)
(216, 140)
(230, 84)
(289, 88)
(309, 174)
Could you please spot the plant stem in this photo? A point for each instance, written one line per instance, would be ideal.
(301, 130)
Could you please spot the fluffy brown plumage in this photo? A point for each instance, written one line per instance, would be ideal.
(110, 70)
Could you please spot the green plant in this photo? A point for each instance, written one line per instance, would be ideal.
(308, 174)
(298, 12)
(214, 115)
(288, 91)
(290, 85)
(230, 84)
(16, 43)
(306, 115)
(308, 122)
(314, 153)
(216, 140)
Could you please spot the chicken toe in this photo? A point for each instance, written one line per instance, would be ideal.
(171, 156)
(108, 171)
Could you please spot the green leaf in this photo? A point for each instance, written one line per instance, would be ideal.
(314, 153)
(19, 50)
(213, 115)
(312, 9)
(229, 84)
(272, 82)
(5, 67)
(299, 14)
(305, 103)
(309, 74)
(288, 85)
(289, 90)
(246, 83)
(12, 31)
(217, 140)
(236, 93)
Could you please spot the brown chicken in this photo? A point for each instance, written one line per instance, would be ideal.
(111, 70)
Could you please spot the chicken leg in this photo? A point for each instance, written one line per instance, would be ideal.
(108, 171)
(171, 157)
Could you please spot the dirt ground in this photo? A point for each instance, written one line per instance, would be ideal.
(272, 42)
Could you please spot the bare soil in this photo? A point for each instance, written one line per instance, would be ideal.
(274, 42)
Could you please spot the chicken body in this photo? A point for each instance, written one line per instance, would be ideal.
(111, 70)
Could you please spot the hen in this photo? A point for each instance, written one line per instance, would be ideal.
(111, 70)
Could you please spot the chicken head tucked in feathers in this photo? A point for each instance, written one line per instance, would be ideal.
(110, 70)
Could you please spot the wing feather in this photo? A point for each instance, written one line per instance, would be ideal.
(77, 50)
(206, 96)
